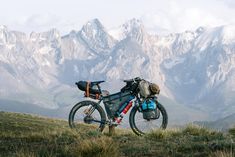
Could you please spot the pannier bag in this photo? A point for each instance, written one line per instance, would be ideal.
(150, 111)
(91, 90)
(147, 89)
(114, 102)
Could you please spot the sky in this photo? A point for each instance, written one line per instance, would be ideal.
(157, 15)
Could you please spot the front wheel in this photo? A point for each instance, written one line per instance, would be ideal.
(140, 126)
(87, 114)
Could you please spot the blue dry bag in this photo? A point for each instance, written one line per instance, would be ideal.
(149, 105)
(150, 111)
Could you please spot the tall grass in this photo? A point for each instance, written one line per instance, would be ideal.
(222, 154)
(24, 135)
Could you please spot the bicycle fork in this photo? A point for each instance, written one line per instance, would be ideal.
(90, 109)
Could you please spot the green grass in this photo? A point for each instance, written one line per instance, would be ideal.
(23, 135)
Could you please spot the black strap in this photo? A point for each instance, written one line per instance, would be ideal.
(120, 96)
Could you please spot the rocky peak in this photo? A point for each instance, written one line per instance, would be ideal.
(134, 29)
(95, 36)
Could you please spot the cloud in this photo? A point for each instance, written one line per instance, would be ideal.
(34, 22)
(229, 3)
(43, 22)
(158, 16)
(178, 18)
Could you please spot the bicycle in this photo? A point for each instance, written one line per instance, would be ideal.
(147, 113)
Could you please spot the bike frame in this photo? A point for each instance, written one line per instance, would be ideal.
(111, 121)
(135, 100)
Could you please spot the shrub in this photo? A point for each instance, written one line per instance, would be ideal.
(98, 147)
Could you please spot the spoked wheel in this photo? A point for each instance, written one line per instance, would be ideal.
(87, 114)
(140, 126)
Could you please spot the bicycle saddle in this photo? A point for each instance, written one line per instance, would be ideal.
(96, 82)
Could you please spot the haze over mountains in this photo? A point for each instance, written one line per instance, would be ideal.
(195, 69)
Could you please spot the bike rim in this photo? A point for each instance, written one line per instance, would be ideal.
(143, 126)
(82, 120)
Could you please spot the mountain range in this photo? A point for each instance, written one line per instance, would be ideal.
(195, 69)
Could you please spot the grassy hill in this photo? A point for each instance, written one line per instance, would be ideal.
(24, 135)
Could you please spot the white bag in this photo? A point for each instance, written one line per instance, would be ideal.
(144, 88)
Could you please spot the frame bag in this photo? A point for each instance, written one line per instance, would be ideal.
(115, 102)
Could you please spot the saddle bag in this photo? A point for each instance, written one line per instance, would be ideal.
(115, 102)
(90, 89)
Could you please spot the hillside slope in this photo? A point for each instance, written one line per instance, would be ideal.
(27, 135)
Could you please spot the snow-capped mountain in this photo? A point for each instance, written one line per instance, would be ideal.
(195, 69)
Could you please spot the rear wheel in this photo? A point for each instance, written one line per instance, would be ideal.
(140, 126)
(87, 114)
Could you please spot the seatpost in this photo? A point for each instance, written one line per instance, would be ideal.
(99, 88)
